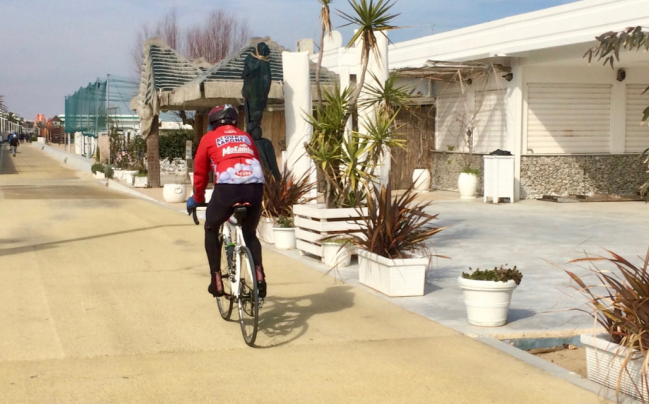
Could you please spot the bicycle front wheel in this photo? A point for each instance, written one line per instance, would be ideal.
(225, 302)
(248, 297)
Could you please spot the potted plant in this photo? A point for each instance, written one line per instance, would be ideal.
(284, 230)
(467, 182)
(488, 294)
(142, 179)
(280, 195)
(618, 358)
(392, 256)
(346, 161)
(336, 252)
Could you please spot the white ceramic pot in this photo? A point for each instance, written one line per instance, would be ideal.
(129, 176)
(284, 238)
(487, 302)
(265, 229)
(467, 184)
(393, 277)
(175, 193)
(336, 255)
(605, 359)
(141, 182)
(421, 177)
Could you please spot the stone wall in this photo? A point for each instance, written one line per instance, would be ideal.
(581, 175)
(447, 166)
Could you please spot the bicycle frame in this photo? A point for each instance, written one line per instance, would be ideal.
(228, 230)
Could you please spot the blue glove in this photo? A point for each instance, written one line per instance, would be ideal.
(191, 204)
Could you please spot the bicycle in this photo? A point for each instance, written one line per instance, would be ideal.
(238, 269)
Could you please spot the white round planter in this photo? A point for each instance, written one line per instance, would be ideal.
(487, 302)
(174, 193)
(284, 238)
(265, 229)
(335, 256)
(467, 184)
(421, 177)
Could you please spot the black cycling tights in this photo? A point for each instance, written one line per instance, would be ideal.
(220, 209)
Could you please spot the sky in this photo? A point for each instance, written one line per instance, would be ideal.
(51, 48)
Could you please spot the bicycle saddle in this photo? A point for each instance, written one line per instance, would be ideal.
(240, 211)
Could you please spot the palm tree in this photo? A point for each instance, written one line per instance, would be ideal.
(325, 19)
(371, 18)
(3, 106)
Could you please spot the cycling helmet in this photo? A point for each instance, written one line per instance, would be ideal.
(223, 115)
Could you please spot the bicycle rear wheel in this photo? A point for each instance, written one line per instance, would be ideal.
(248, 297)
(225, 302)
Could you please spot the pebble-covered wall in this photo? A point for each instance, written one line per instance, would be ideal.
(447, 166)
(581, 175)
(553, 175)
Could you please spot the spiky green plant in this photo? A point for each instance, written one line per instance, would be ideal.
(325, 21)
(370, 18)
(623, 310)
(386, 97)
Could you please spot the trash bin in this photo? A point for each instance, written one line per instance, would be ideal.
(499, 178)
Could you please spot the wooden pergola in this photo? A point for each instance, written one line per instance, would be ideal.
(452, 71)
(170, 82)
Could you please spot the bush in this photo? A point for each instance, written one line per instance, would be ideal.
(97, 168)
(285, 222)
(172, 145)
(108, 171)
(473, 171)
(501, 274)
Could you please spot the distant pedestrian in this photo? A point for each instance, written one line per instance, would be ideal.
(14, 144)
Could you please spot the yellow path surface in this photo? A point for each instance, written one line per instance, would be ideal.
(103, 300)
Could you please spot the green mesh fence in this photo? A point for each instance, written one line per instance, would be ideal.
(90, 108)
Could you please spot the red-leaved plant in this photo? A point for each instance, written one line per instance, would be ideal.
(623, 310)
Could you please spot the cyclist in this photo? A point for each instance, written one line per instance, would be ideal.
(231, 154)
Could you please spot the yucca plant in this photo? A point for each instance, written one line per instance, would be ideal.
(622, 309)
(280, 195)
(325, 21)
(395, 227)
(386, 97)
(370, 18)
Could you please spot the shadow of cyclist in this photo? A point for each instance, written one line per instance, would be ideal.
(285, 319)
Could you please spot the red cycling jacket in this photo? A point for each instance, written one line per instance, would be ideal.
(231, 154)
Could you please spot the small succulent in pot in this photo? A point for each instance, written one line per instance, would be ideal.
(498, 274)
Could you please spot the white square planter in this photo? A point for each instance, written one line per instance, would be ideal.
(314, 222)
(395, 278)
(604, 360)
(141, 182)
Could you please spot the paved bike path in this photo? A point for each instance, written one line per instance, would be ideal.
(103, 300)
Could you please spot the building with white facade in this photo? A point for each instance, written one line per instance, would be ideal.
(573, 128)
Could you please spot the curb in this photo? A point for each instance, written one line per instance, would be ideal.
(556, 370)
(76, 161)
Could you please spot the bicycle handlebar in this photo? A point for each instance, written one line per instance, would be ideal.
(193, 214)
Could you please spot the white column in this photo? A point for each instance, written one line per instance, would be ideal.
(297, 103)
(516, 106)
